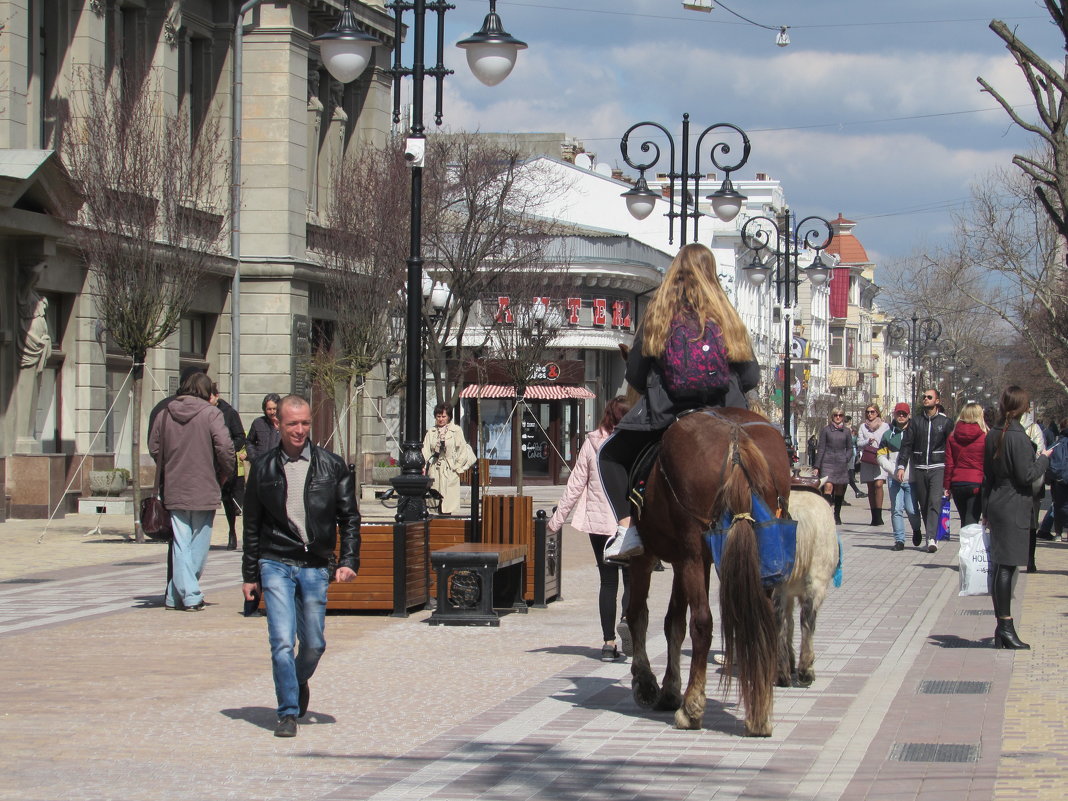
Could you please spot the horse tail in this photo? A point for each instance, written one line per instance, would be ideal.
(750, 633)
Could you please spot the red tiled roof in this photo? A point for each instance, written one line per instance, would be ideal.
(845, 245)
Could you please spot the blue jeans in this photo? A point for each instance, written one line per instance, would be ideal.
(901, 504)
(296, 609)
(189, 552)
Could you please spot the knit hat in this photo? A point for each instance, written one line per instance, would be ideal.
(902, 407)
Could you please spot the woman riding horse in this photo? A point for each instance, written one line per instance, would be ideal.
(690, 295)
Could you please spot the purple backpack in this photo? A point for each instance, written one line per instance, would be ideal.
(694, 361)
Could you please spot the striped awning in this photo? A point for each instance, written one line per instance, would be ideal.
(536, 392)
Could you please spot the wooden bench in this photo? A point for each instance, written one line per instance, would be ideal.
(474, 579)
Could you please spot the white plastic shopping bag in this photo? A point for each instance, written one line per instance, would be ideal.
(974, 558)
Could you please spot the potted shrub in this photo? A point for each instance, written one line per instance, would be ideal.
(109, 482)
(382, 471)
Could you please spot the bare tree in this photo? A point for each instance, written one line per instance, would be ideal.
(522, 334)
(1049, 87)
(482, 203)
(153, 219)
(363, 244)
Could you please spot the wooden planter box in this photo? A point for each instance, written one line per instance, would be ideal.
(387, 553)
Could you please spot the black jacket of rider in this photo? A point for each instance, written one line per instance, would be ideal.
(330, 508)
(924, 442)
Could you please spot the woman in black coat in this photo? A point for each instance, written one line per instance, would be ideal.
(1010, 466)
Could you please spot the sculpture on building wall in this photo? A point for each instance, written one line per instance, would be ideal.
(35, 344)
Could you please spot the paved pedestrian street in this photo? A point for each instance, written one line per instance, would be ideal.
(106, 695)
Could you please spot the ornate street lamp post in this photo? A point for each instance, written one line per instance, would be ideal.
(780, 241)
(726, 202)
(491, 54)
(913, 342)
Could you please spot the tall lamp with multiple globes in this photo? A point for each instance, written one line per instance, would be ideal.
(726, 201)
(913, 342)
(491, 54)
(780, 242)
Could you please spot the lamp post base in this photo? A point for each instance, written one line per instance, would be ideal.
(411, 485)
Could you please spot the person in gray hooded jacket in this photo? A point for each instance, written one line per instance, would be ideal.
(195, 456)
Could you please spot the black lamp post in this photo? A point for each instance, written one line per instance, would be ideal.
(783, 239)
(491, 54)
(726, 202)
(913, 342)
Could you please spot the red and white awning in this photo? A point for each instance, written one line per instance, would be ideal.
(536, 392)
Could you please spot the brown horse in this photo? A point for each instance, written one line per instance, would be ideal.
(710, 462)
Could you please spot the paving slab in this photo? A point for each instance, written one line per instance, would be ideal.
(107, 696)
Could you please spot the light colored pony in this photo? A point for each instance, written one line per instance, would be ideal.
(815, 564)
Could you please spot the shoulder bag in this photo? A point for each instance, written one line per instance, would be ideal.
(155, 519)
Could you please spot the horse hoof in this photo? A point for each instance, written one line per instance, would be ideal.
(645, 692)
(806, 677)
(783, 681)
(668, 702)
(685, 722)
(763, 731)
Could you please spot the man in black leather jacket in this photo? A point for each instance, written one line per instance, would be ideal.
(924, 445)
(298, 499)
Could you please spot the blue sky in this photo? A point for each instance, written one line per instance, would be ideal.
(873, 110)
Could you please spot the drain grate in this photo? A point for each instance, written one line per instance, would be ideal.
(24, 581)
(934, 752)
(942, 687)
(976, 612)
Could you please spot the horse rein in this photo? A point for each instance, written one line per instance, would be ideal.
(731, 457)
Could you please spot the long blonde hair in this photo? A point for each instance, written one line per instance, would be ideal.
(691, 283)
(973, 413)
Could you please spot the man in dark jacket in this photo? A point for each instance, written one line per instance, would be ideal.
(297, 499)
(923, 445)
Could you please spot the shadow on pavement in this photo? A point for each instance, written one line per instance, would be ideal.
(953, 641)
(266, 717)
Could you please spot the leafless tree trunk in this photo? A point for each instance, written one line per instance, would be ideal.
(481, 224)
(153, 219)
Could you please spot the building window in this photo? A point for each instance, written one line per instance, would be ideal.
(194, 81)
(837, 356)
(192, 337)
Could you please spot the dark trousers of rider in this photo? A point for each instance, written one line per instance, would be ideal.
(606, 599)
(927, 490)
(615, 459)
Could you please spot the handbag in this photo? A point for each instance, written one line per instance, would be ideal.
(155, 519)
(869, 454)
(943, 522)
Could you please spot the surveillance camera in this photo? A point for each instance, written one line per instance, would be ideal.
(414, 151)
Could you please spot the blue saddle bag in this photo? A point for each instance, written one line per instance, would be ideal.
(776, 542)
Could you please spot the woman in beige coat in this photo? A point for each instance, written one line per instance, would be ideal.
(447, 455)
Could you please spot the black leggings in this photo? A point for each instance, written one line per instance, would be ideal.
(968, 500)
(606, 599)
(615, 459)
(1002, 590)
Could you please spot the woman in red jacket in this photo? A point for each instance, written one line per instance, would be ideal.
(964, 463)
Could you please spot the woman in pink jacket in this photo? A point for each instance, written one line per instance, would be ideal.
(593, 514)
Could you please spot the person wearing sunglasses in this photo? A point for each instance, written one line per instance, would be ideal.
(834, 460)
(923, 448)
(902, 504)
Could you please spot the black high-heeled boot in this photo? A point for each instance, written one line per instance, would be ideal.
(876, 517)
(1005, 636)
(838, 509)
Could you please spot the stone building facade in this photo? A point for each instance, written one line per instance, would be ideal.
(297, 122)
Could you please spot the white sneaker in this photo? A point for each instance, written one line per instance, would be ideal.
(932, 546)
(624, 544)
